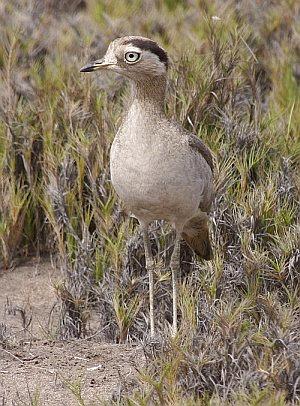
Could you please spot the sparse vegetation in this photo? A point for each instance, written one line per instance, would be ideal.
(234, 81)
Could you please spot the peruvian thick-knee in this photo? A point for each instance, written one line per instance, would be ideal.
(158, 169)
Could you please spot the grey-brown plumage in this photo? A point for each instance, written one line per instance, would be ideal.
(159, 170)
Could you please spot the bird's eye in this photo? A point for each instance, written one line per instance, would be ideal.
(132, 57)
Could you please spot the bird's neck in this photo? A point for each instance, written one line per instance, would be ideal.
(149, 94)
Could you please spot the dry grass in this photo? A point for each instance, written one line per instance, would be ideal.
(235, 82)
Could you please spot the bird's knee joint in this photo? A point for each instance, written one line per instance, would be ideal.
(174, 264)
(150, 264)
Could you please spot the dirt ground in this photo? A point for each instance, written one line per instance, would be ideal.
(34, 368)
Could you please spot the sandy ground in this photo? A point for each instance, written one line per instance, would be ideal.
(34, 368)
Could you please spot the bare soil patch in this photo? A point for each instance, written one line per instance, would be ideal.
(28, 301)
(34, 366)
(62, 373)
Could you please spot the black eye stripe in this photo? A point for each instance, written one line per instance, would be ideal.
(149, 45)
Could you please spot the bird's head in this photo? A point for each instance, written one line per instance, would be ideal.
(132, 56)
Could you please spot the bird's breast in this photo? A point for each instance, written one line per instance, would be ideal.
(154, 175)
(140, 167)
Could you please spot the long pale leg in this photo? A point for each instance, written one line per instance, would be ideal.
(150, 268)
(175, 268)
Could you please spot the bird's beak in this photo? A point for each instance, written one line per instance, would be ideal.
(91, 67)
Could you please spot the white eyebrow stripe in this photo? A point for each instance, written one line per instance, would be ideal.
(132, 48)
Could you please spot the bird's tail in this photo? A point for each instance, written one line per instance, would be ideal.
(196, 234)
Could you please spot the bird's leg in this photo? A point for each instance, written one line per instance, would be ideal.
(175, 268)
(150, 268)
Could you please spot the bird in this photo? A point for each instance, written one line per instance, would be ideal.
(158, 169)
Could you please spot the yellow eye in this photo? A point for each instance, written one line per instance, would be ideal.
(132, 57)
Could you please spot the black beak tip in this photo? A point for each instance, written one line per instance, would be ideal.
(92, 66)
(87, 68)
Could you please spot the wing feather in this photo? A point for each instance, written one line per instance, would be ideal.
(199, 145)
